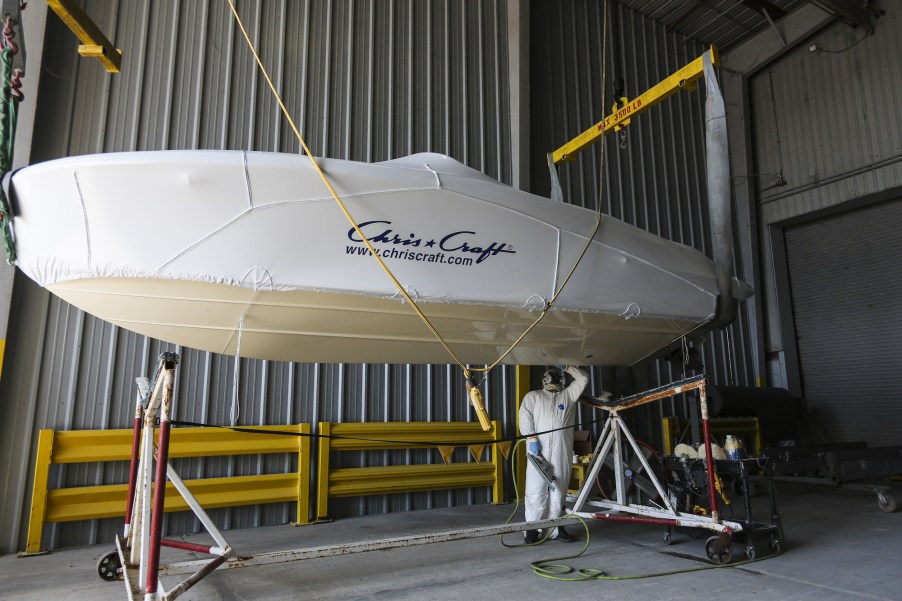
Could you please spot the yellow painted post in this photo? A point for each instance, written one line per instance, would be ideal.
(668, 436)
(322, 472)
(521, 388)
(497, 458)
(39, 492)
(304, 465)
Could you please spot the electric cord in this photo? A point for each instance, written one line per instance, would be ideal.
(547, 568)
(545, 535)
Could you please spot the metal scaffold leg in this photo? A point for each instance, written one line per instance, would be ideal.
(137, 559)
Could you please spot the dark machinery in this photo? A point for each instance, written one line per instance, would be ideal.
(688, 490)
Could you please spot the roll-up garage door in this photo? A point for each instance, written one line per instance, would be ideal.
(845, 276)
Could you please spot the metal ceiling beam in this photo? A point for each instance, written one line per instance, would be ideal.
(850, 13)
(688, 10)
(763, 48)
(770, 10)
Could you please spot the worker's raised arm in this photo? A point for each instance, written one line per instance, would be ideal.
(578, 385)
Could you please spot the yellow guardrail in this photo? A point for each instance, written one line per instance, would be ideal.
(95, 502)
(361, 481)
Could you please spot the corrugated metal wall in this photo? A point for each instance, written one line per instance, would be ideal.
(654, 178)
(826, 119)
(845, 275)
(365, 80)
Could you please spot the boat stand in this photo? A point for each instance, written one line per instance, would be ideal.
(137, 556)
(619, 509)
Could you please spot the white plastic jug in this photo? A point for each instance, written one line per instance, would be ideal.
(733, 447)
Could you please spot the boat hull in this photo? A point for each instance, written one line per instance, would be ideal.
(343, 328)
(247, 253)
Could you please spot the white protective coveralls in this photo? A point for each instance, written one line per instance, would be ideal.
(540, 411)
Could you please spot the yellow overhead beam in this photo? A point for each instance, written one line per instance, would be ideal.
(684, 79)
(94, 43)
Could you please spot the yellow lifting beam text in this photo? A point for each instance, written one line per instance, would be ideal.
(684, 79)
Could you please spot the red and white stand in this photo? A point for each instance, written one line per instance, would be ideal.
(619, 509)
(138, 549)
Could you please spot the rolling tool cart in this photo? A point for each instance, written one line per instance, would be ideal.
(689, 491)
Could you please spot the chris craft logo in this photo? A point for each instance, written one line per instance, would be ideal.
(461, 247)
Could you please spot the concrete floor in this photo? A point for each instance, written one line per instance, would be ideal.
(839, 545)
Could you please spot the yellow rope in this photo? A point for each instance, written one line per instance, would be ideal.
(332, 191)
(369, 246)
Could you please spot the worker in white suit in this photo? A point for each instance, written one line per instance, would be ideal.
(547, 418)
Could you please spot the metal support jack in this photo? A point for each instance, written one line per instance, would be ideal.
(137, 559)
(619, 509)
(137, 556)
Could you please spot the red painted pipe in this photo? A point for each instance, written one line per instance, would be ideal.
(710, 461)
(159, 494)
(633, 518)
(133, 470)
(180, 544)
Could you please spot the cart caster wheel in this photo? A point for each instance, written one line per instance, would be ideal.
(776, 544)
(750, 551)
(886, 503)
(108, 567)
(716, 556)
(668, 536)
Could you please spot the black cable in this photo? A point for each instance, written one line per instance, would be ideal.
(410, 443)
(618, 84)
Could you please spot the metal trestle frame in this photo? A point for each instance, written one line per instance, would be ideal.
(618, 508)
(138, 549)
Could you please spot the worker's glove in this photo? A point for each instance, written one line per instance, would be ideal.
(534, 447)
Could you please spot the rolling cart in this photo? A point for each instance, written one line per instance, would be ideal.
(688, 490)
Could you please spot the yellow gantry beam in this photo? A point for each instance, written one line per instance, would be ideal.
(94, 43)
(684, 79)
